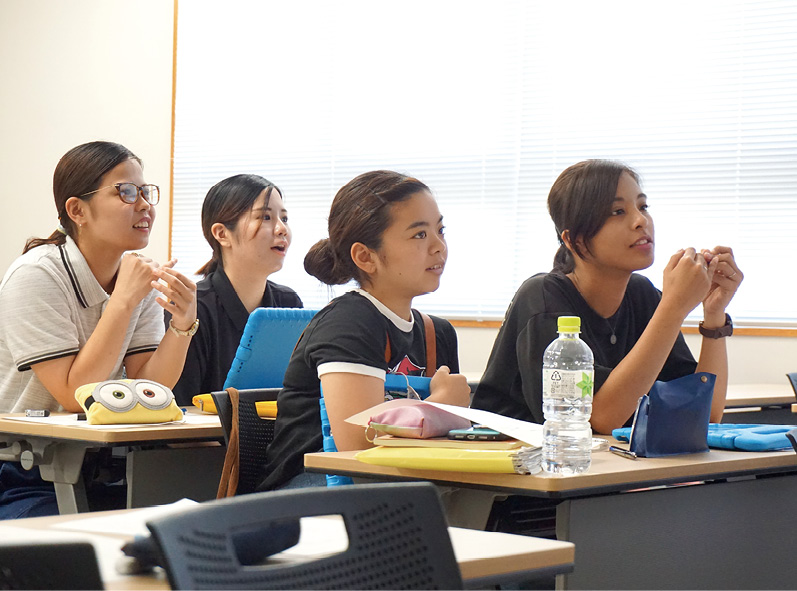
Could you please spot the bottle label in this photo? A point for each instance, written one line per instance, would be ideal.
(564, 383)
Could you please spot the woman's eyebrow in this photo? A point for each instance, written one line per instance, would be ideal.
(423, 224)
(266, 208)
(620, 198)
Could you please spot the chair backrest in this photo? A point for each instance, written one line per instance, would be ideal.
(247, 401)
(792, 437)
(792, 377)
(269, 337)
(63, 565)
(397, 533)
(254, 435)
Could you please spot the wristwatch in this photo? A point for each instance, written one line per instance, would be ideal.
(184, 333)
(725, 330)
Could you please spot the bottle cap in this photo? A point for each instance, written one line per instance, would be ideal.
(569, 324)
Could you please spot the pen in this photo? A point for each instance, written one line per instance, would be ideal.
(622, 452)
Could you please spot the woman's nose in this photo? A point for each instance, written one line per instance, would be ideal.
(142, 204)
(641, 220)
(439, 245)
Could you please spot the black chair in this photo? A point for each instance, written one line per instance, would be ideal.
(63, 565)
(792, 377)
(397, 540)
(792, 436)
(254, 434)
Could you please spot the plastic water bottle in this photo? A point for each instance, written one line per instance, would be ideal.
(567, 382)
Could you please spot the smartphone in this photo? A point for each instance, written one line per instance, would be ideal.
(477, 434)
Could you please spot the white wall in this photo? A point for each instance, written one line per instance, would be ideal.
(73, 71)
(751, 360)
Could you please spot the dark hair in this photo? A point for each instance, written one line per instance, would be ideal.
(80, 171)
(580, 202)
(225, 203)
(358, 214)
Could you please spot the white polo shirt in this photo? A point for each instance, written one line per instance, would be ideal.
(50, 303)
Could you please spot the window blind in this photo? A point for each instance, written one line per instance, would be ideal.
(487, 102)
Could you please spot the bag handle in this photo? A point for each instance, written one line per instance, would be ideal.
(228, 484)
(431, 345)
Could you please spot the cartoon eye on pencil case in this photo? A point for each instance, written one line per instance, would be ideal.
(124, 401)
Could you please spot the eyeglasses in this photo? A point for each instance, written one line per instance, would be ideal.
(129, 192)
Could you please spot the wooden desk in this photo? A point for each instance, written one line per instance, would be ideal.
(723, 530)
(759, 403)
(743, 395)
(485, 558)
(59, 451)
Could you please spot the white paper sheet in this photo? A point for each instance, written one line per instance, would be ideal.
(530, 433)
(129, 523)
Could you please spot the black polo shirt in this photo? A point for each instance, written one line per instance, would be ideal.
(222, 318)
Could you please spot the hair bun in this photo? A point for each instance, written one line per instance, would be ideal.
(320, 262)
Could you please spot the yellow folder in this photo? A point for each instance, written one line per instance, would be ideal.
(266, 409)
(441, 458)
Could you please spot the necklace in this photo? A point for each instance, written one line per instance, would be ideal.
(618, 315)
(613, 338)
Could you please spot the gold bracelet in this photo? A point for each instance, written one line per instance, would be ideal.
(184, 333)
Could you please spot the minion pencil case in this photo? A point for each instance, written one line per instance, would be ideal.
(125, 401)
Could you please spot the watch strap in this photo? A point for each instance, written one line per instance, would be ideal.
(184, 333)
(725, 330)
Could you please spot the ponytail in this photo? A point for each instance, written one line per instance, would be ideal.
(563, 260)
(209, 267)
(57, 238)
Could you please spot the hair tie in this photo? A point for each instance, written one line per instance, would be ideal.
(61, 229)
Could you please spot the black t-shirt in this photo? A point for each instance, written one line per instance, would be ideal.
(222, 318)
(512, 382)
(350, 330)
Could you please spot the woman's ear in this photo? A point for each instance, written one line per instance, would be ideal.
(222, 234)
(566, 240)
(364, 258)
(569, 245)
(76, 210)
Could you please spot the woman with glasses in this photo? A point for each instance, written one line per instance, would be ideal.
(245, 222)
(82, 306)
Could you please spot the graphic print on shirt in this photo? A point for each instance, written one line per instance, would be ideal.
(408, 368)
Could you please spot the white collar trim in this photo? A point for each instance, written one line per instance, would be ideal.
(398, 321)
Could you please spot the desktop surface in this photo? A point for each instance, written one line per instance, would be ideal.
(608, 472)
(484, 558)
(208, 428)
(713, 515)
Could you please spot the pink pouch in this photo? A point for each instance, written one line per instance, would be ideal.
(420, 421)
